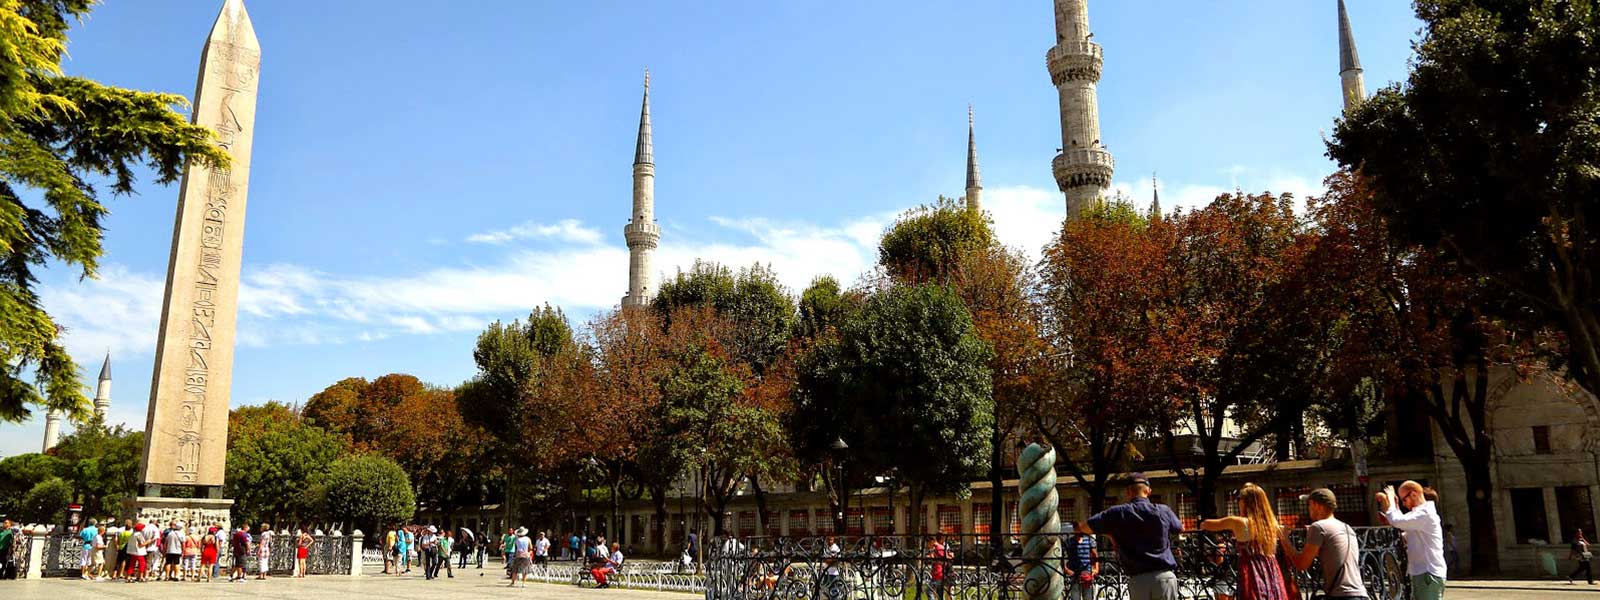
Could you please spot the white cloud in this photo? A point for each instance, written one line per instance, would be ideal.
(566, 230)
(302, 305)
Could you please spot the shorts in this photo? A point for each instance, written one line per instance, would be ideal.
(190, 561)
(173, 558)
(97, 557)
(87, 559)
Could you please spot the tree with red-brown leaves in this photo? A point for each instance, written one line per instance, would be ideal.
(1114, 353)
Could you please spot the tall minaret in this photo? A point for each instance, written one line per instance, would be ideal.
(1155, 198)
(974, 179)
(1083, 168)
(52, 430)
(102, 390)
(1355, 90)
(642, 233)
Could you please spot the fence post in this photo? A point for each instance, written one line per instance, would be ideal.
(35, 567)
(355, 552)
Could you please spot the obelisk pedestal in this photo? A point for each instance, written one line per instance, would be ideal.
(186, 430)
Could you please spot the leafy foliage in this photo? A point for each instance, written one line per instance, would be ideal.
(56, 134)
(1490, 154)
(907, 387)
(102, 465)
(20, 473)
(274, 457)
(927, 242)
(366, 490)
(47, 502)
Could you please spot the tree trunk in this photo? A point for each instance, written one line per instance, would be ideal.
(996, 486)
(761, 506)
(1480, 516)
(658, 533)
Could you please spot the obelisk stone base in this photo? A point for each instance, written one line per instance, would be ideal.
(200, 512)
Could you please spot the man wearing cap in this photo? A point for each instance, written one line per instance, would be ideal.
(1424, 535)
(1143, 533)
(1334, 543)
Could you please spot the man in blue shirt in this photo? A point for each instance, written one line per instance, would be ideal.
(1143, 533)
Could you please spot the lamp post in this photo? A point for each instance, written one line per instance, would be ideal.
(839, 448)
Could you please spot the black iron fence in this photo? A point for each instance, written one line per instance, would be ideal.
(906, 567)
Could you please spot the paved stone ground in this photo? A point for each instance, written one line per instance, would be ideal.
(466, 584)
(489, 586)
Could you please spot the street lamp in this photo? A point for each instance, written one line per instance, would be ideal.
(839, 448)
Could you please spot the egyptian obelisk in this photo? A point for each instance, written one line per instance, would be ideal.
(186, 432)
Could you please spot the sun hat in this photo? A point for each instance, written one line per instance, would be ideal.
(522, 531)
(432, 529)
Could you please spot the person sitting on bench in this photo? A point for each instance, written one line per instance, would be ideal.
(612, 563)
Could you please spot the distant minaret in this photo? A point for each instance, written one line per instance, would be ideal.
(1155, 198)
(642, 233)
(102, 390)
(52, 430)
(1355, 90)
(974, 179)
(1083, 168)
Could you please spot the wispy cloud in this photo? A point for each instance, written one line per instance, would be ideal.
(568, 230)
(293, 304)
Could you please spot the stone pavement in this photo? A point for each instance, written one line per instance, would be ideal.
(489, 586)
(466, 584)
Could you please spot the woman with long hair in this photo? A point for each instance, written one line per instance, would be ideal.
(1255, 534)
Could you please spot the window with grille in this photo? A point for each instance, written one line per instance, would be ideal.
(1068, 511)
(823, 523)
(853, 524)
(799, 523)
(1187, 511)
(882, 520)
(1013, 518)
(980, 518)
(949, 519)
(1352, 501)
(1528, 515)
(1290, 508)
(773, 525)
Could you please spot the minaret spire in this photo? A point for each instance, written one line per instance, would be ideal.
(1084, 166)
(1350, 79)
(102, 389)
(974, 178)
(642, 233)
(1155, 198)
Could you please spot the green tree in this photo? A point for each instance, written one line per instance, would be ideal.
(907, 386)
(274, 457)
(928, 242)
(57, 135)
(102, 465)
(20, 473)
(1490, 153)
(758, 309)
(367, 491)
(47, 502)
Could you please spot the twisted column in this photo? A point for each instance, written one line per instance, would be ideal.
(1041, 546)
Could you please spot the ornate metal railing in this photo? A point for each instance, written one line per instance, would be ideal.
(903, 567)
(641, 576)
(329, 555)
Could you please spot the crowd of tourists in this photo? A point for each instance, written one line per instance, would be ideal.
(135, 551)
(1143, 531)
(430, 549)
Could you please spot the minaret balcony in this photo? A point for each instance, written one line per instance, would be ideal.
(645, 235)
(1074, 60)
(1083, 166)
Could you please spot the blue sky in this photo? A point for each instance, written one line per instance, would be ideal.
(423, 168)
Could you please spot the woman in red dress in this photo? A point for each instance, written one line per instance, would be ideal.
(208, 553)
(302, 548)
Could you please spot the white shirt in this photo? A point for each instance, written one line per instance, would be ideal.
(833, 553)
(1424, 538)
(542, 548)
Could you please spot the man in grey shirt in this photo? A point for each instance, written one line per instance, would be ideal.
(1335, 543)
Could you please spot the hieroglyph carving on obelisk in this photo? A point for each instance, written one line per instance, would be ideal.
(186, 432)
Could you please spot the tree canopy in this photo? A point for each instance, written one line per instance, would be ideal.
(58, 136)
